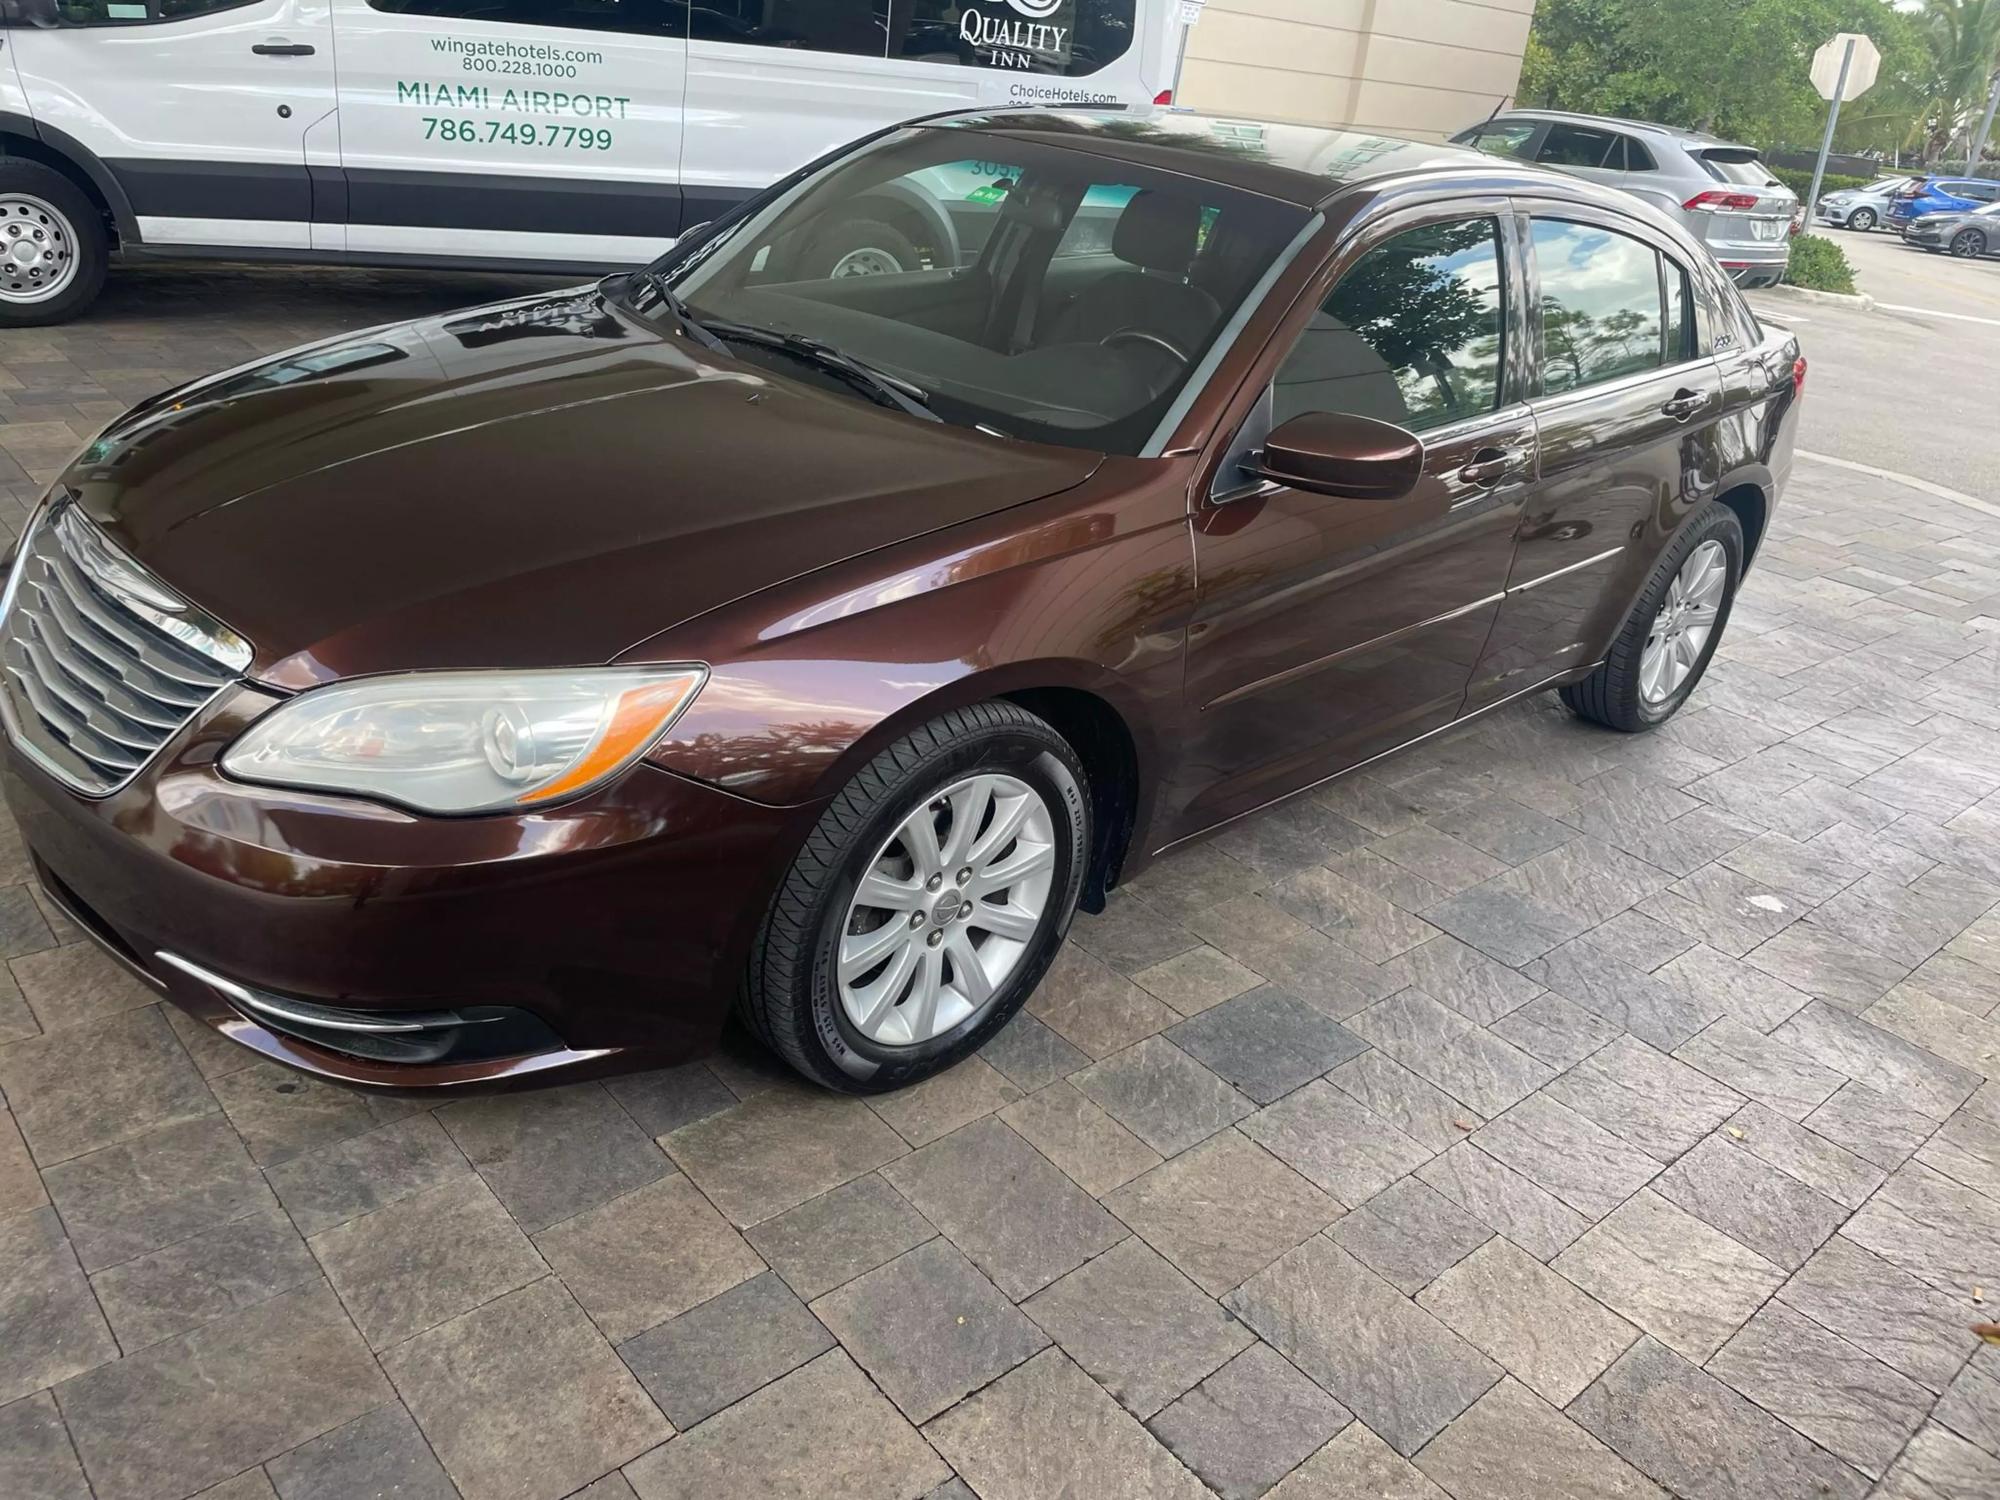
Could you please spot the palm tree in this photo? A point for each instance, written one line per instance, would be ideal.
(1964, 41)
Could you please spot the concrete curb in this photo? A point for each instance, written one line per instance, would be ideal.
(1853, 301)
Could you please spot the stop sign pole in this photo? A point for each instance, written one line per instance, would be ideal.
(1853, 48)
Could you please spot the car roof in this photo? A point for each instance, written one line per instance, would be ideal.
(1308, 165)
(1676, 133)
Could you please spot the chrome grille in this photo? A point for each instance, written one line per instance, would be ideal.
(99, 663)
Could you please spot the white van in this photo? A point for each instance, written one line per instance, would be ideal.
(557, 135)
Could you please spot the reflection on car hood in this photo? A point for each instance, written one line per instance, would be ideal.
(542, 482)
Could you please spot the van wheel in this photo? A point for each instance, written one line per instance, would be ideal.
(53, 248)
(927, 903)
(862, 247)
(1672, 631)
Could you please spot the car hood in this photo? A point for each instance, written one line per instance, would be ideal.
(542, 482)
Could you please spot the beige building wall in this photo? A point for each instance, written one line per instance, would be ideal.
(1404, 67)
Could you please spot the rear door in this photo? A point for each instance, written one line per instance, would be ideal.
(1626, 404)
(544, 131)
(1328, 630)
(199, 108)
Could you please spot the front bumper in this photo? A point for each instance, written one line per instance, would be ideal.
(1832, 213)
(594, 937)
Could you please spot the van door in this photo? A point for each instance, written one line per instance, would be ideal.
(533, 131)
(198, 108)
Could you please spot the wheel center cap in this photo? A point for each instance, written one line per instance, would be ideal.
(945, 912)
(23, 253)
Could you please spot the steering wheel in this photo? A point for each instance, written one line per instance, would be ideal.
(1141, 336)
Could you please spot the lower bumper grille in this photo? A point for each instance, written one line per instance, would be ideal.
(99, 664)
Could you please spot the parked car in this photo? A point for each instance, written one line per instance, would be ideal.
(492, 133)
(1860, 208)
(506, 696)
(1720, 191)
(1923, 196)
(1969, 234)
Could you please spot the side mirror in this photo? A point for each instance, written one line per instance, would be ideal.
(1356, 458)
(693, 235)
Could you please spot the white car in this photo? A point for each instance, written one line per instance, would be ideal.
(1860, 208)
(554, 135)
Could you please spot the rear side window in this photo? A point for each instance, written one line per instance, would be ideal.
(1069, 38)
(1681, 340)
(1577, 146)
(1601, 304)
(1981, 192)
(1638, 158)
(1501, 140)
(1412, 334)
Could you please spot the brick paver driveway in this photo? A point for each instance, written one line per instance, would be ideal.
(1543, 1114)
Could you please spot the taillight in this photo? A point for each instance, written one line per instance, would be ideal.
(1165, 96)
(1798, 377)
(1911, 190)
(1716, 198)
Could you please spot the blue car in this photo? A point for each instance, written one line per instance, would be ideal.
(1921, 197)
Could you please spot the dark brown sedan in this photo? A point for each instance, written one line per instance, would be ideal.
(508, 696)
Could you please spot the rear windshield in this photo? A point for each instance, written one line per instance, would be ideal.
(1736, 166)
(1044, 292)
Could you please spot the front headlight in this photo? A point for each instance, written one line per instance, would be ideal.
(465, 742)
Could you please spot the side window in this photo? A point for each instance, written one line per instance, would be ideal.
(1984, 192)
(1576, 146)
(1638, 158)
(1601, 304)
(138, 12)
(1070, 38)
(1412, 334)
(1682, 343)
(849, 26)
(635, 17)
(1502, 140)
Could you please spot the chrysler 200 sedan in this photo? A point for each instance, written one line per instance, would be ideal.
(509, 696)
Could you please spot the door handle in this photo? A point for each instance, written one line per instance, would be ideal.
(283, 49)
(1491, 465)
(1684, 404)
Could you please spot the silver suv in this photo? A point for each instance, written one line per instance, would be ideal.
(1728, 199)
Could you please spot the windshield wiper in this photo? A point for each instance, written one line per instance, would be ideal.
(656, 283)
(889, 390)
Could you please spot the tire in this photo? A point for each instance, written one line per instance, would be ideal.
(1862, 219)
(792, 995)
(1613, 695)
(40, 205)
(1968, 244)
(861, 247)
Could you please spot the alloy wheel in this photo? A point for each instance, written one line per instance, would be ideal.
(37, 249)
(1967, 242)
(1681, 629)
(946, 909)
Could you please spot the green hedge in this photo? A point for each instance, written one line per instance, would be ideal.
(1819, 265)
(1801, 182)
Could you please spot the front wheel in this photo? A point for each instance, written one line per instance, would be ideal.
(1672, 632)
(927, 903)
(53, 247)
(1862, 219)
(1968, 243)
(862, 247)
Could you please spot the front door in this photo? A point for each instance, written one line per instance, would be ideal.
(1627, 409)
(1329, 630)
(511, 130)
(199, 109)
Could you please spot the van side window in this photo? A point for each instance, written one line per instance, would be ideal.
(1601, 304)
(1576, 146)
(1071, 38)
(850, 26)
(635, 17)
(1412, 334)
(138, 12)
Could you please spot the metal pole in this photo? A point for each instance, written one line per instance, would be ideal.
(1826, 141)
(1985, 125)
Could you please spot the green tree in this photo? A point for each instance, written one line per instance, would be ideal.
(1962, 38)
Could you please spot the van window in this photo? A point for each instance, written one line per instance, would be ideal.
(1601, 314)
(1575, 146)
(138, 12)
(1073, 38)
(1411, 335)
(636, 17)
(850, 26)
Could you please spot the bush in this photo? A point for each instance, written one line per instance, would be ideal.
(1819, 265)
(1801, 182)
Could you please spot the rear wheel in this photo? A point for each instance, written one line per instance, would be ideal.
(1968, 242)
(53, 248)
(1672, 632)
(926, 904)
(862, 247)
(1862, 219)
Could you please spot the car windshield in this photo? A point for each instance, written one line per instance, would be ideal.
(1041, 292)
